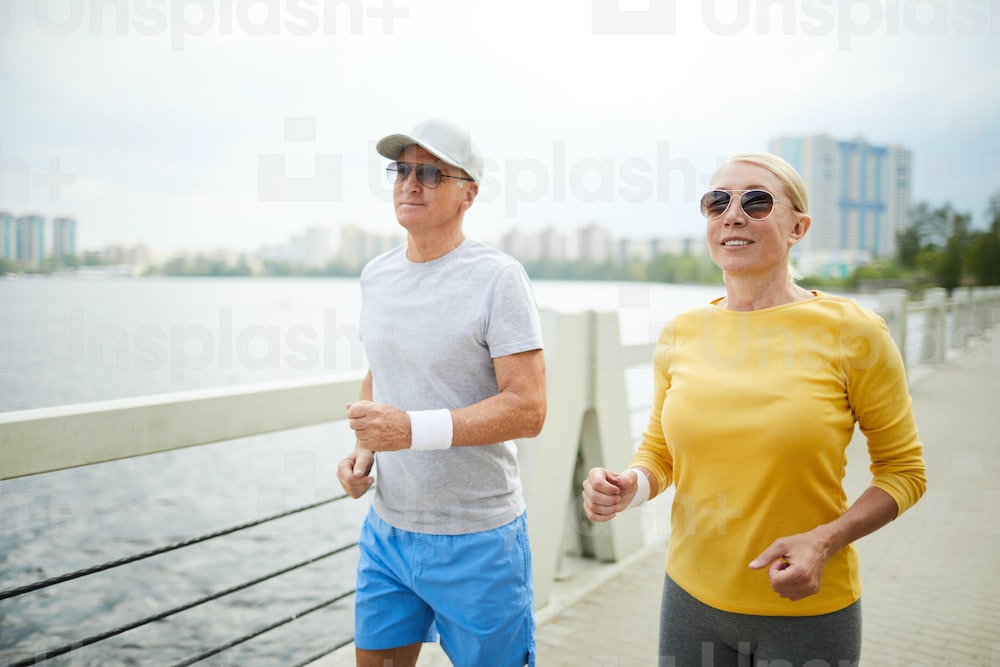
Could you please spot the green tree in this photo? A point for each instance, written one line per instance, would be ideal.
(950, 266)
(933, 226)
(937, 244)
(908, 245)
(984, 250)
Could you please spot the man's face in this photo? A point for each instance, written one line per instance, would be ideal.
(420, 208)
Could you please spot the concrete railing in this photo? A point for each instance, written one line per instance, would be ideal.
(587, 425)
(941, 324)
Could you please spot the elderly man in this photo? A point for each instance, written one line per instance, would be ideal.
(452, 336)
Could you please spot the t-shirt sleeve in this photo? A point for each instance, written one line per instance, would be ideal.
(513, 324)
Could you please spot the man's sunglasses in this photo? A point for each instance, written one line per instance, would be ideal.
(428, 175)
(757, 204)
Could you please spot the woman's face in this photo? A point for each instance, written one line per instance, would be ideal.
(741, 245)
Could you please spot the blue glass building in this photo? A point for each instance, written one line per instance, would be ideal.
(859, 200)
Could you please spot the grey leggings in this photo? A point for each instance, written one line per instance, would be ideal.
(692, 634)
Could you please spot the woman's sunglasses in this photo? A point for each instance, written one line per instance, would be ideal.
(757, 204)
(428, 175)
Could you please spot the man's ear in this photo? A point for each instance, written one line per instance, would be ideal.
(470, 195)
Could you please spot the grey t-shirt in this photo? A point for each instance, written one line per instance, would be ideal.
(431, 331)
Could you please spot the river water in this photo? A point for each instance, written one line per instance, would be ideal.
(66, 340)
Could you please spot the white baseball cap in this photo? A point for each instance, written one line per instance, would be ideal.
(446, 141)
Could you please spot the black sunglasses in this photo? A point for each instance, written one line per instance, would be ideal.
(428, 175)
(757, 204)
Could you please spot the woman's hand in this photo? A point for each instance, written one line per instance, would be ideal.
(796, 563)
(606, 493)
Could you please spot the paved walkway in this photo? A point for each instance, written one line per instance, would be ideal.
(931, 579)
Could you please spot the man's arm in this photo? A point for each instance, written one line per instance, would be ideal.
(354, 471)
(366, 388)
(517, 410)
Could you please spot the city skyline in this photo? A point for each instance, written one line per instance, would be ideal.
(861, 191)
(318, 245)
(237, 121)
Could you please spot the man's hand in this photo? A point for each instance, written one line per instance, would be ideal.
(379, 427)
(354, 472)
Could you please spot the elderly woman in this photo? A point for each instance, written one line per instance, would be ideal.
(755, 401)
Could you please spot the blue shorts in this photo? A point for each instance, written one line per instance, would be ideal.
(474, 590)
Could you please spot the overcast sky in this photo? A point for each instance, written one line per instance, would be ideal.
(236, 123)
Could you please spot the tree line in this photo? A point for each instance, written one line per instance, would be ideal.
(940, 248)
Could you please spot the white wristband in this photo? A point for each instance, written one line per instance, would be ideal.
(430, 429)
(641, 491)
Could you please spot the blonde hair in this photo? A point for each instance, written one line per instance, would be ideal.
(784, 172)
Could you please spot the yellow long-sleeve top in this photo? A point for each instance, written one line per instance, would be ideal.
(752, 415)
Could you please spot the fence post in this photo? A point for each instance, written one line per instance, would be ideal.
(960, 316)
(975, 312)
(993, 307)
(935, 326)
(893, 303)
(984, 303)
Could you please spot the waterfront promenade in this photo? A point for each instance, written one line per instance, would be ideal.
(931, 579)
(932, 584)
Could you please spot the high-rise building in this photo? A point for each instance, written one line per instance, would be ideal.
(8, 244)
(593, 243)
(358, 245)
(859, 200)
(63, 237)
(521, 245)
(312, 249)
(31, 239)
(553, 244)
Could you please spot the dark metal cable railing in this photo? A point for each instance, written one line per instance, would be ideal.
(69, 576)
(51, 653)
(273, 626)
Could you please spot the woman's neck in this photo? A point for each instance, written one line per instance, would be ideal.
(745, 294)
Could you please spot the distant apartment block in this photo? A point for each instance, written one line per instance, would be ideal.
(358, 245)
(8, 227)
(312, 249)
(859, 200)
(134, 255)
(532, 247)
(593, 243)
(24, 239)
(63, 237)
(31, 239)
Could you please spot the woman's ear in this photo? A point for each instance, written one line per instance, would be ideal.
(799, 229)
